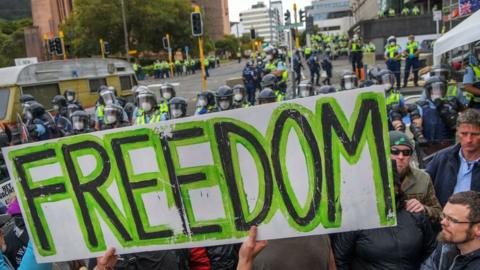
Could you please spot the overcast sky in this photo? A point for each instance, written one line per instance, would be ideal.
(236, 6)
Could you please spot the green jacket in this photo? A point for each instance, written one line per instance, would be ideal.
(418, 185)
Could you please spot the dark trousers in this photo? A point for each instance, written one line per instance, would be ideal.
(394, 66)
(315, 73)
(298, 76)
(250, 92)
(413, 64)
(357, 61)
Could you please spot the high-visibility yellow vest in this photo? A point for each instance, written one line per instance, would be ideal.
(163, 107)
(470, 96)
(100, 112)
(393, 98)
(154, 118)
(393, 51)
(412, 47)
(355, 47)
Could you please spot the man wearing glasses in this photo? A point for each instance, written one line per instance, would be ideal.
(459, 240)
(416, 184)
(456, 169)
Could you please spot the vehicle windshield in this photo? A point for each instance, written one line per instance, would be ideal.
(4, 95)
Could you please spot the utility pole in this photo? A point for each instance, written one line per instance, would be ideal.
(125, 32)
(197, 31)
(297, 40)
(102, 48)
(170, 61)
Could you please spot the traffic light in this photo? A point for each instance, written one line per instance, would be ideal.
(106, 48)
(287, 17)
(197, 24)
(302, 15)
(252, 34)
(309, 25)
(58, 46)
(165, 43)
(51, 46)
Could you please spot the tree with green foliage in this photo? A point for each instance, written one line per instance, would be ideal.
(148, 21)
(12, 40)
(228, 44)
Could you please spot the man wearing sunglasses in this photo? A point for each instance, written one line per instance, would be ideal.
(459, 240)
(416, 184)
(457, 168)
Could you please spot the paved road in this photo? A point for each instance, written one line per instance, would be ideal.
(189, 86)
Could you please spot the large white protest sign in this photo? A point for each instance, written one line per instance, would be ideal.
(303, 167)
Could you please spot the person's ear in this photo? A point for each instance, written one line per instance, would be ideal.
(476, 230)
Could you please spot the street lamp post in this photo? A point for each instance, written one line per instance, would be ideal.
(125, 32)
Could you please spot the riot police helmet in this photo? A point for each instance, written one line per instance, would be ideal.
(349, 81)
(35, 109)
(69, 94)
(238, 92)
(113, 113)
(267, 96)
(269, 81)
(167, 91)
(442, 71)
(71, 108)
(224, 98)
(147, 101)
(177, 107)
(107, 96)
(137, 91)
(435, 88)
(26, 98)
(305, 89)
(80, 120)
(206, 99)
(59, 102)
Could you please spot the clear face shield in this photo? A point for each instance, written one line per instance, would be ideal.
(176, 110)
(224, 103)
(437, 91)
(167, 93)
(70, 96)
(238, 95)
(202, 101)
(78, 122)
(108, 97)
(146, 102)
(56, 107)
(267, 100)
(111, 115)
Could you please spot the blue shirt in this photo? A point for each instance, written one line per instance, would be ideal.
(464, 176)
(469, 76)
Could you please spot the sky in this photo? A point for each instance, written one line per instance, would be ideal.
(236, 6)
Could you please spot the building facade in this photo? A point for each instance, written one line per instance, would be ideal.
(263, 20)
(332, 16)
(215, 17)
(47, 16)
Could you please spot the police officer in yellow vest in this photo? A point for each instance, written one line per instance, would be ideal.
(168, 92)
(157, 69)
(148, 111)
(411, 53)
(393, 53)
(356, 55)
(471, 81)
(206, 63)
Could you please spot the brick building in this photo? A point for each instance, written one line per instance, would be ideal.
(215, 17)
